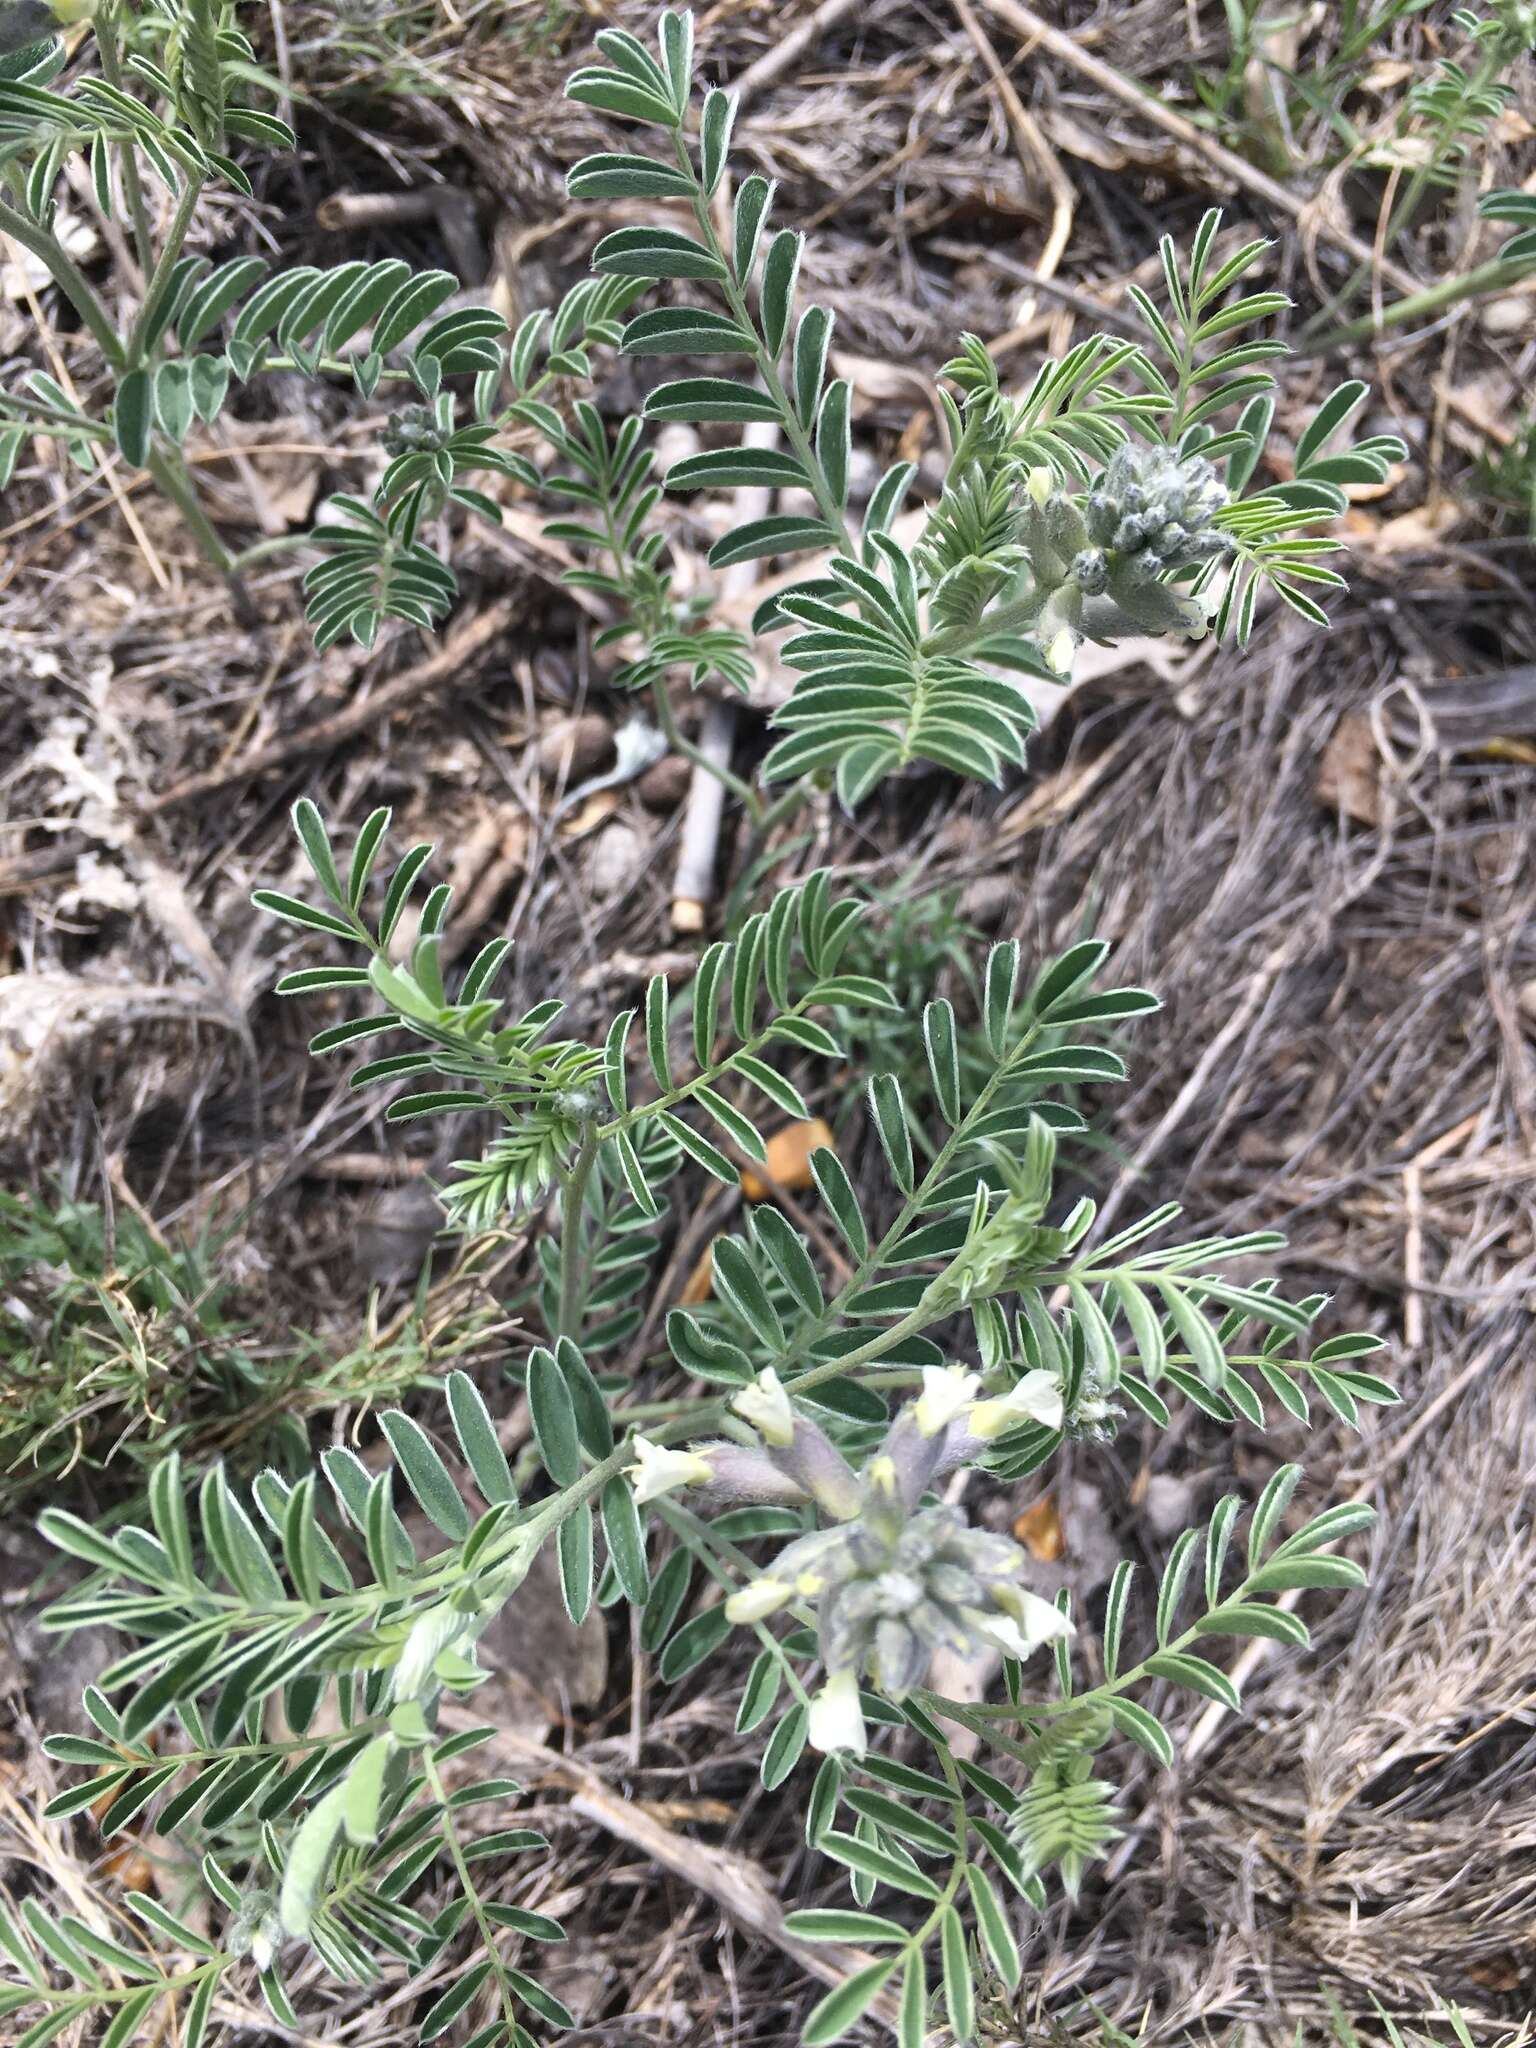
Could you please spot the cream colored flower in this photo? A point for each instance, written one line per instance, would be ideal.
(765, 1405)
(1023, 1623)
(837, 1719)
(948, 1390)
(755, 1602)
(658, 1469)
(1036, 1398)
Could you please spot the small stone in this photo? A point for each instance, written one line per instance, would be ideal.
(396, 1233)
(666, 783)
(618, 856)
(987, 900)
(574, 748)
(1169, 1504)
(1509, 315)
(863, 474)
(675, 443)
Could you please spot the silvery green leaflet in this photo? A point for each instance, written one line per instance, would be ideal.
(775, 1463)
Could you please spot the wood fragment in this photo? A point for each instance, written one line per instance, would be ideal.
(693, 887)
(453, 211)
(784, 55)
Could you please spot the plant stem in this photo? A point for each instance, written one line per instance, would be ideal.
(67, 275)
(705, 1078)
(160, 282)
(48, 416)
(734, 295)
(274, 544)
(572, 1261)
(1496, 55)
(471, 1892)
(170, 473)
(133, 186)
(919, 1317)
(666, 718)
(1492, 276)
(958, 640)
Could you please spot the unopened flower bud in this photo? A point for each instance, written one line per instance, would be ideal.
(818, 1468)
(1090, 572)
(755, 1602)
(737, 1473)
(266, 1940)
(901, 1657)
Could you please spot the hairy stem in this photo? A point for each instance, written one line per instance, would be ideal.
(1496, 275)
(734, 295)
(572, 1249)
(471, 1892)
(170, 473)
(133, 185)
(160, 280)
(666, 718)
(67, 275)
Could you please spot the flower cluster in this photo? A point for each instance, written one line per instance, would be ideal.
(1104, 562)
(414, 430)
(892, 1580)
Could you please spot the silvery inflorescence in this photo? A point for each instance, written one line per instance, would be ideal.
(891, 1580)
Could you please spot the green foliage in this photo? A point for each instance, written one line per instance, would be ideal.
(1458, 103)
(292, 1641)
(116, 1345)
(108, 1337)
(294, 1633)
(564, 1099)
(1507, 475)
(905, 651)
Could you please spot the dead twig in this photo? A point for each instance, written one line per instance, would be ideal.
(785, 55)
(1034, 153)
(445, 664)
(738, 1886)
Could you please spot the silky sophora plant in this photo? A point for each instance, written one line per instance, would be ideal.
(800, 1460)
(1113, 495)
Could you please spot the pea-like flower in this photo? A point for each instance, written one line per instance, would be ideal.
(837, 1719)
(1101, 567)
(892, 1580)
(658, 1469)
